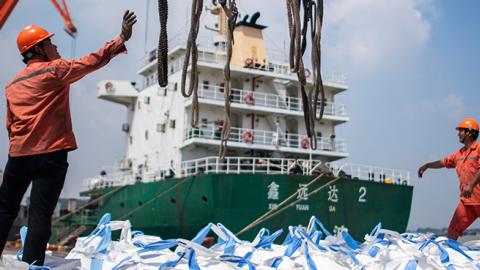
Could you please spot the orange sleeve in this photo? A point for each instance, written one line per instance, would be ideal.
(70, 71)
(9, 120)
(450, 161)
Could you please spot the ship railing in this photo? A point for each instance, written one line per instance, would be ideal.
(209, 53)
(119, 177)
(371, 173)
(252, 165)
(264, 137)
(110, 179)
(237, 165)
(268, 100)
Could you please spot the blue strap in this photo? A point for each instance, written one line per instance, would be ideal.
(444, 258)
(376, 229)
(351, 255)
(106, 240)
(137, 233)
(104, 220)
(350, 241)
(202, 234)
(373, 251)
(192, 261)
(267, 241)
(121, 263)
(304, 235)
(241, 261)
(294, 245)
(23, 236)
(159, 245)
(314, 222)
(96, 264)
(311, 263)
(411, 265)
(171, 264)
(456, 246)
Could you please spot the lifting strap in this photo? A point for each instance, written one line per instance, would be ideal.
(231, 11)
(162, 52)
(312, 12)
(191, 51)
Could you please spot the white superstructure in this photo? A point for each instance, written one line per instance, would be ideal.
(265, 102)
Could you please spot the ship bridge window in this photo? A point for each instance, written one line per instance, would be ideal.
(146, 134)
(206, 85)
(172, 123)
(161, 127)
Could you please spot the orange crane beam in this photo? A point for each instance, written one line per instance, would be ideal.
(6, 7)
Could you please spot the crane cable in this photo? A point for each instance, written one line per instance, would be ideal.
(191, 51)
(162, 52)
(298, 45)
(231, 11)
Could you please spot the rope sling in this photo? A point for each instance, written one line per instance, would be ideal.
(191, 51)
(231, 10)
(312, 12)
(162, 52)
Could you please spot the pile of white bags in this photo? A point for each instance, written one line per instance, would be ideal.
(310, 249)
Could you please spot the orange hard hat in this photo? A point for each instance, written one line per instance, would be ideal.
(31, 36)
(468, 123)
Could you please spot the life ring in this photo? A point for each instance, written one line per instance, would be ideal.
(308, 73)
(109, 87)
(305, 143)
(247, 136)
(248, 62)
(249, 98)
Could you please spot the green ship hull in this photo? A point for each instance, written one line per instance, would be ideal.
(236, 200)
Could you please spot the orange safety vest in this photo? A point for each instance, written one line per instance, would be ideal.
(38, 110)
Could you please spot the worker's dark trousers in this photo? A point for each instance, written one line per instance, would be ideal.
(47, 173)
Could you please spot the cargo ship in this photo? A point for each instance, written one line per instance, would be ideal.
(171, 181)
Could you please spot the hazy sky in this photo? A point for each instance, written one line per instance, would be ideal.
(412, 67)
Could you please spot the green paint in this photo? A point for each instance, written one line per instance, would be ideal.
(237, 200)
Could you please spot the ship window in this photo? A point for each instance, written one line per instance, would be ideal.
(130, 139)
(165, 91)
(172, 123)
(175, 87)
(206, 85)
(146, 100)
(161, 127)
(146, 134)
(125, 127)
(138, 104)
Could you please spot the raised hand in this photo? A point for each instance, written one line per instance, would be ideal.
(129, 19)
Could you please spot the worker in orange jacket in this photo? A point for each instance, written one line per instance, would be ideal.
(40, 130)
(466, 161)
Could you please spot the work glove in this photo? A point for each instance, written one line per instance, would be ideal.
(129, 19)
